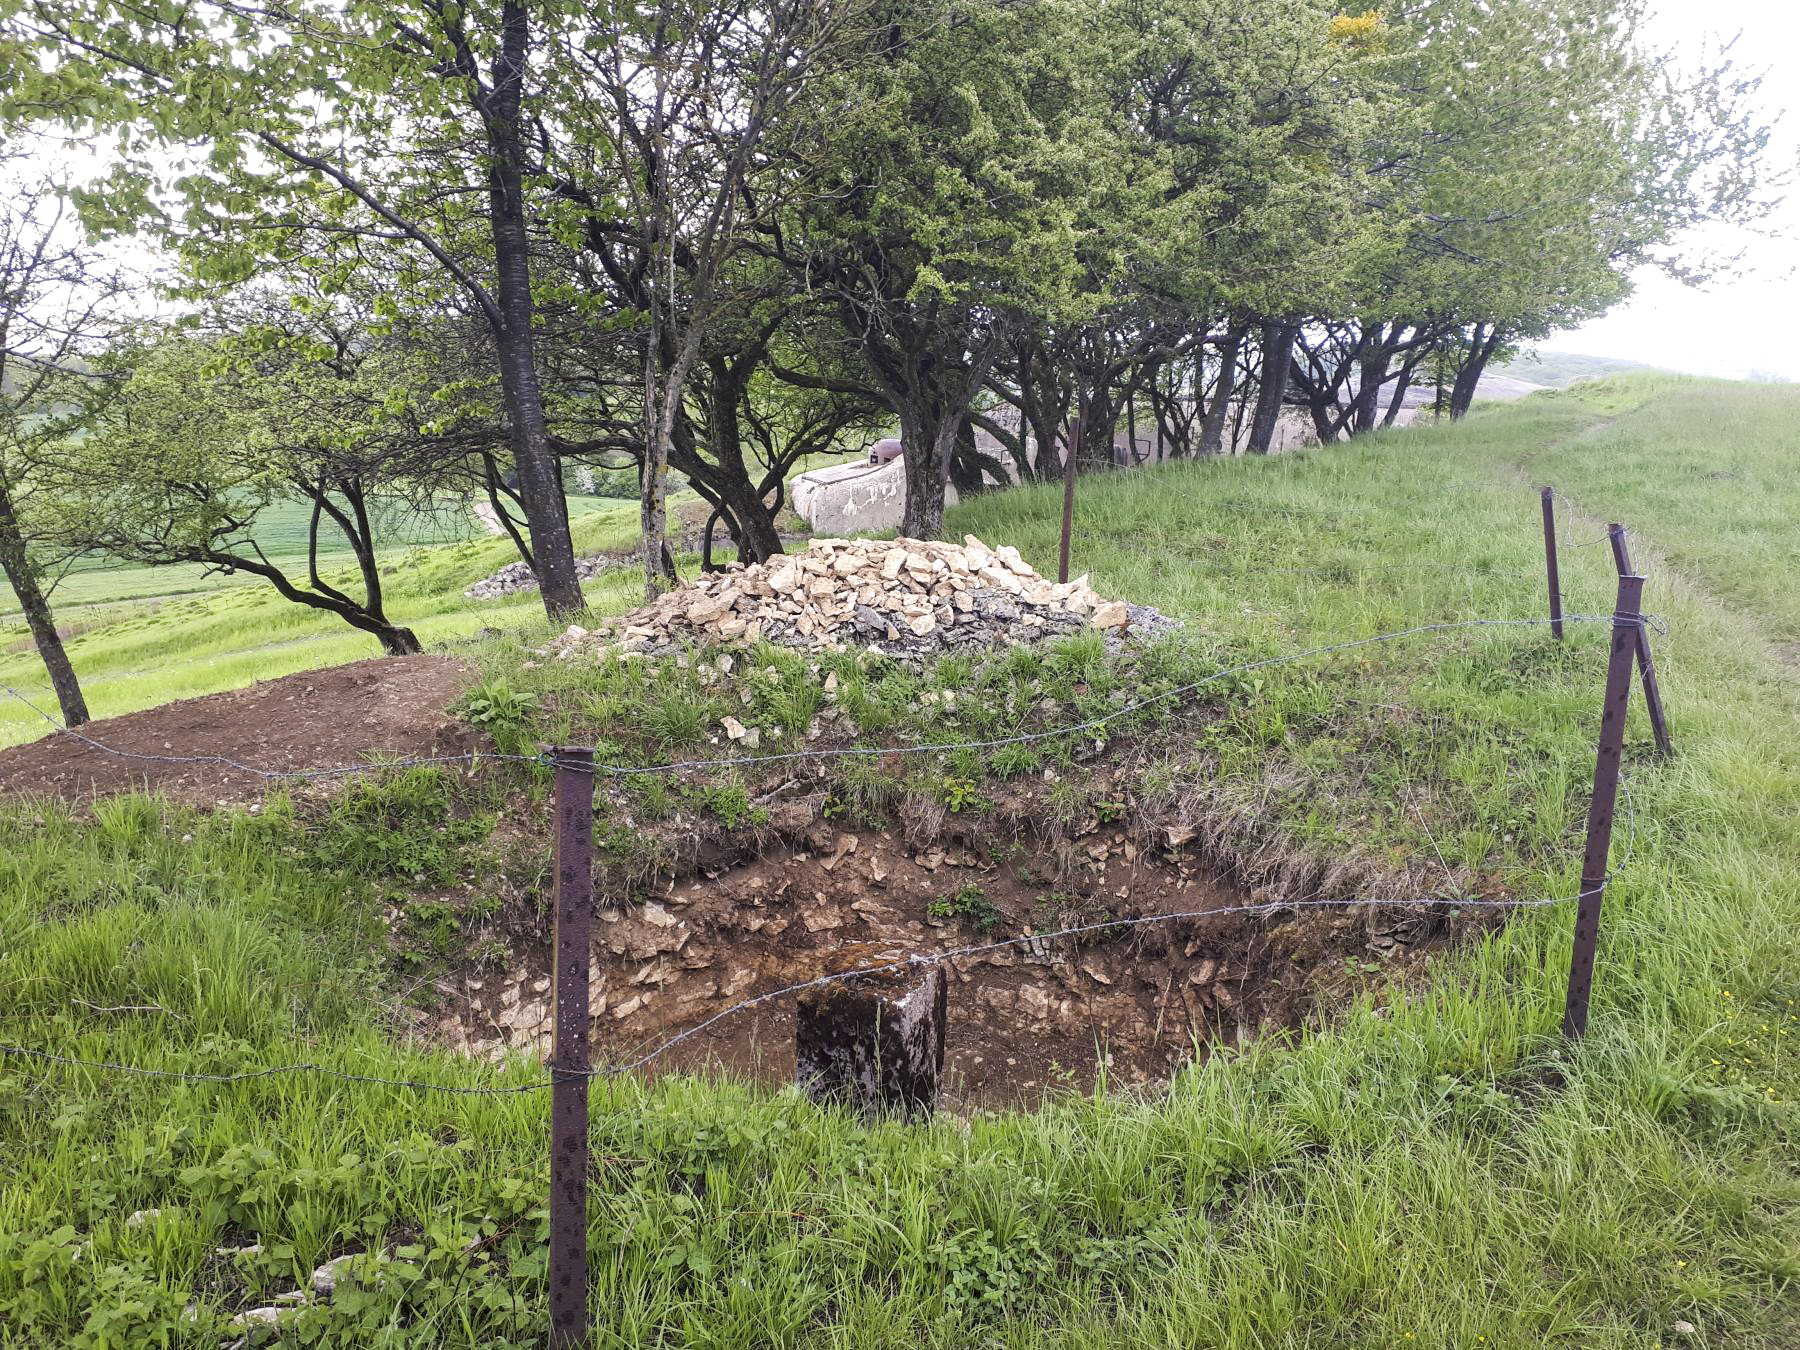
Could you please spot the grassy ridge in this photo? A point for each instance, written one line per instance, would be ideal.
(1435, 1169)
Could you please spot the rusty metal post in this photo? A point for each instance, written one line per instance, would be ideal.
(1556, 619)
(1062, 561)
(1659, 722)
(1626, 620)
(570, 1047)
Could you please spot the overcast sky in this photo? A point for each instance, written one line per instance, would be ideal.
(1731, 327)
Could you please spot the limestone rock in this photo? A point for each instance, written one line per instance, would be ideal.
(907, 598)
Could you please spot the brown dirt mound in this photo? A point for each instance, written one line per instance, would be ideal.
(315, 719)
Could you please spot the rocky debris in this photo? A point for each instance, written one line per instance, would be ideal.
(516, 577)
(325, 1278)
(910, 599)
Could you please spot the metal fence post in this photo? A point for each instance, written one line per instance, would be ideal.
(1556, 617)
(1659, 722)
(570, 1047)
(1626, 621)
(1062, 562)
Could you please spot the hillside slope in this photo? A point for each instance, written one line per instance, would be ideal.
(1423, 1163)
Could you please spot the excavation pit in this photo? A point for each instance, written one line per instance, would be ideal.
(1031, 1008)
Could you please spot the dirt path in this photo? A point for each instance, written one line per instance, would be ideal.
(317, 718)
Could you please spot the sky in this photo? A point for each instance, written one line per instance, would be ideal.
(1736, 326)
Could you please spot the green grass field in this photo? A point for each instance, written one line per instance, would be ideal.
(1434, 1167)
(142, 636)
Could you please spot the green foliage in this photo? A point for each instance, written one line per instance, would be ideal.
(730, 803)
(960, 794)
(496, 705)
(971, 905)
(400, 828)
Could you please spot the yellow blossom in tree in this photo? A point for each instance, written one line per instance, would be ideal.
(1358, 30)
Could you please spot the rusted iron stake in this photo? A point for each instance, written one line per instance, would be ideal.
(1626, 620)
(1062, 561)
(1659, 722)
(569, 1047)
(1556, 619)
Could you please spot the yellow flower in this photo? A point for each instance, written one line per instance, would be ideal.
(1357, 30)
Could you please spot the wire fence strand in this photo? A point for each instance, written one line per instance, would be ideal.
(918, 961)
(913, 962)
(833, 752)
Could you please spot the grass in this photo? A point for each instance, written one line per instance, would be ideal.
(1433, 1168)
(135, 648)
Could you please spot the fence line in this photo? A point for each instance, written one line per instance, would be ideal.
(548, 758)
(570, 1069)
(915, 961)
(918, 961)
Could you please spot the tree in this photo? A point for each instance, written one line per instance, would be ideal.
(55, 305)
(207, 432)
(327, 128)
(943, 213)
(1226, 184)
(1553, 155)
(673, 144)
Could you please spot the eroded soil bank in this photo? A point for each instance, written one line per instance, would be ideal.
(1044, 1013)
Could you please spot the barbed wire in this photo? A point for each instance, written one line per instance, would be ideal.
(1358, 571)
(549, 758)
(917, 961)
(1092, 724)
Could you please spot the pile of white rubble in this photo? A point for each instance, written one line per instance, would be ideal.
(905, 597)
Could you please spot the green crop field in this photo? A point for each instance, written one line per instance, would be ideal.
(1429, 1165)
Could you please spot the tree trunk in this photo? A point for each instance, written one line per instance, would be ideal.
(1401, 385)
(1371, 375)
(540, 477)
(37, 615)
(398, 641)
(491, 475)
(1482, 345)
(725, 480)
(932, 399)
(653, 485)
(1099, 424)
(929, 435)
(1278, 351)
(757, 538)
(1212, 433)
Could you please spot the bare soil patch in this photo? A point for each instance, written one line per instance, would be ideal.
(340, 715)
(1042, 1015)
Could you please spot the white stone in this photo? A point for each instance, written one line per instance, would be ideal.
(1110, 615)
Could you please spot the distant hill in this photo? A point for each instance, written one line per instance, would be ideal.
(1558, 370)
